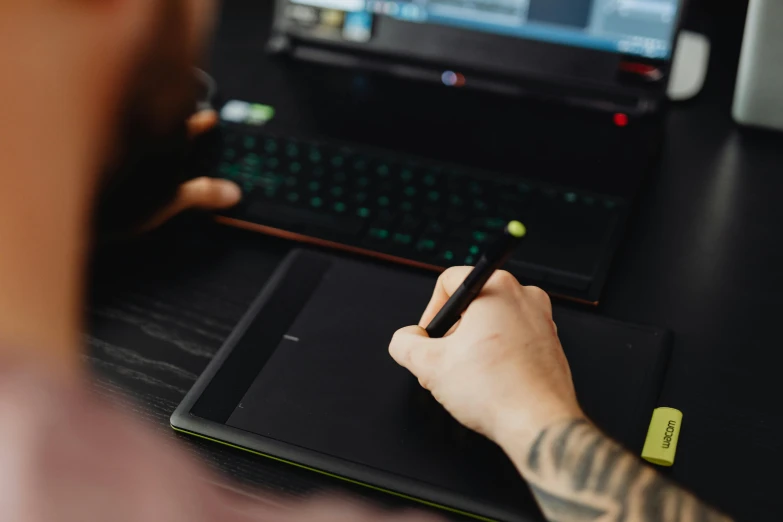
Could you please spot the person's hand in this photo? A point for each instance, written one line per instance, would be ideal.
(501, 370)
(201, 193)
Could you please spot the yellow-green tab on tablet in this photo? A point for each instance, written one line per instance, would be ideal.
(662, 436)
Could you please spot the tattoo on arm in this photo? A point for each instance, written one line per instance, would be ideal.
(578, 474)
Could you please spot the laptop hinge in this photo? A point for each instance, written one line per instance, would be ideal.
(593, 97)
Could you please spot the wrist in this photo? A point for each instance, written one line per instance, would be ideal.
(517, 429)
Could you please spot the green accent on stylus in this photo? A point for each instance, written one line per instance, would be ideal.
(338, 477)
(517, 229)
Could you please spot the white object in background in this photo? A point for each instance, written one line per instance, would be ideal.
(235, 111)
(689, 66)
(758, 97)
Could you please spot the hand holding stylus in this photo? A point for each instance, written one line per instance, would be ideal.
(502, 367)
(501, 371)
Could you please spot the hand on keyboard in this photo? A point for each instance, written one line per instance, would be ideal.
(201, 193)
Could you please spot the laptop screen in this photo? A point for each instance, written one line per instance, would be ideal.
(643, 28)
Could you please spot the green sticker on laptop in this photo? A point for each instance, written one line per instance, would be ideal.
(260, 114)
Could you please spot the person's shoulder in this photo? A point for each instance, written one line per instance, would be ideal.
(68, 456)
(27, 404)
(72, 456)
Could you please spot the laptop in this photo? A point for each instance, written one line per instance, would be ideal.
(432, 123)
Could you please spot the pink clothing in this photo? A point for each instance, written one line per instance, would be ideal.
(67, 456)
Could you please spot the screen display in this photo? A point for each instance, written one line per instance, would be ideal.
(634, 27)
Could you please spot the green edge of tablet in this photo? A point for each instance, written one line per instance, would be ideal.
(345, 479)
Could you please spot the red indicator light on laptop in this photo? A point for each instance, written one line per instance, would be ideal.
(620, 119)
(647, 72)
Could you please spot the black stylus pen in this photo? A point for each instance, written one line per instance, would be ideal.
(492, 259)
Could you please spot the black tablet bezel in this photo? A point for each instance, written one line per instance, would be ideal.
(578, 68)
(183, 420)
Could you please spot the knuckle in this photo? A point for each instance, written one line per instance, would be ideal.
(398, 336)
(539, 296)
(537, 293)
(444, 276)
(396, 341)
(504, 279)
(457, 272)
(451, 274)
(400, 346)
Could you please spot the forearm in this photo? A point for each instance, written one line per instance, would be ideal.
(578, 474)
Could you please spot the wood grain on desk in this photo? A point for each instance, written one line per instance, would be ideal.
(160, 309)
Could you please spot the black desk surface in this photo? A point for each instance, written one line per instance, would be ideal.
(702, 258)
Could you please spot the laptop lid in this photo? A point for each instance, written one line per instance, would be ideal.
(613, 52)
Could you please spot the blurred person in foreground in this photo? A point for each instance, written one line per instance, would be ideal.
(95, 93)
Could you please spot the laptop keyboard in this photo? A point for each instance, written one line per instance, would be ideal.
(419, 211)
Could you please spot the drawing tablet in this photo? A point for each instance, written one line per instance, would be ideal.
(306, 378)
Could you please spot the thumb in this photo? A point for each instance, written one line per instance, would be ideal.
(412, 348)
(208, 194)
(200, 193)
(202, 122)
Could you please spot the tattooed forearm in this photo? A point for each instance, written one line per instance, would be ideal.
(578, 474)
